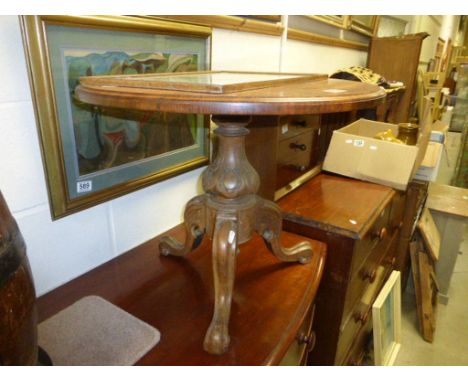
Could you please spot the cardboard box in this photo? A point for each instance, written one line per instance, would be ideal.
(354, 152)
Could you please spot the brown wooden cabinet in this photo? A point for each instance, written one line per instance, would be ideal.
(360, 222)
(397, 59)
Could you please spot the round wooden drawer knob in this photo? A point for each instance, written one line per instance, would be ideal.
(398, 225)
(370, 275)
(381, 234)
(361, 317)
(391, 262)
(298, 146)
(308, 339)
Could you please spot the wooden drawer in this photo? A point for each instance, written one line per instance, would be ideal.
(304, 342)
(374, 237)
(366, 275)
(296, 151)
(296, 125)
(356, 355)
(359, 309)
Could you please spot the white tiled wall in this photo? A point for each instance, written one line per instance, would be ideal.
(66, 248)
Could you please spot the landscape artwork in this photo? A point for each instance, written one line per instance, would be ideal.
(109, 138)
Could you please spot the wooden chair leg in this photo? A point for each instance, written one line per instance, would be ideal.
(195, 225)
(224, 269)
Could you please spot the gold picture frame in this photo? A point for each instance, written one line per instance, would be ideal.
(336, 21)
(136, 37)
(364, 24)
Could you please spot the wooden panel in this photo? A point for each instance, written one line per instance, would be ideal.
(336, 204)
(397, 59)
(448, 200)
(261, 147)
(430, 234)
(175, 295)
(415, 196)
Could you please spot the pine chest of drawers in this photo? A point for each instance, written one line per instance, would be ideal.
(360, 223)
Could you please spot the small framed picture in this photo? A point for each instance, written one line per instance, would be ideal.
(386, 317)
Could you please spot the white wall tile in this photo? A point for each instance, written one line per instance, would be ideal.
(61, 250)
(21, 172)
(144, 214)
(15, 82)
(232, 50)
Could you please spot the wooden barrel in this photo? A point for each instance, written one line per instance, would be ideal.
(18, 316)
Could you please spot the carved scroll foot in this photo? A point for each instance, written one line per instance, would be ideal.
(194, 219)
(224, 264)
(269, 225)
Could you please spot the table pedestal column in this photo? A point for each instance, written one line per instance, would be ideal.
(229, 212)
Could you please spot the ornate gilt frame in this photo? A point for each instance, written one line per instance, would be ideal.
(38, 60)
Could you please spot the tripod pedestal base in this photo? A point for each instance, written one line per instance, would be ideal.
(229, 213)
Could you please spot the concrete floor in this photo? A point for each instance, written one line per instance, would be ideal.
(450, 345)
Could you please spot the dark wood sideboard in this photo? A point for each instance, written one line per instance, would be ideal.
(272, 307)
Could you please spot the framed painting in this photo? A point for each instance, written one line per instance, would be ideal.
(337, 21)
(94, 154)
(386, 319)
(365, 24)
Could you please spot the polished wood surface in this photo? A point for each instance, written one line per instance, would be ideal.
(357, 221)
(336, 204)
(312, 97)
(176, 295)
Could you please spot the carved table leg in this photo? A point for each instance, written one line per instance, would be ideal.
(194, 219)
(224, 269)
(268, 224)
(229, 213)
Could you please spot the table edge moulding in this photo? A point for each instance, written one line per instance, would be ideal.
(230, 210)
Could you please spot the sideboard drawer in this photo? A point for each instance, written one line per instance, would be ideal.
(365, 276)
(298, 124)
(377, 235)
(303, 343)
(357, 354)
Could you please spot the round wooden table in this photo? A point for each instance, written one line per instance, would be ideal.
(230, 211)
